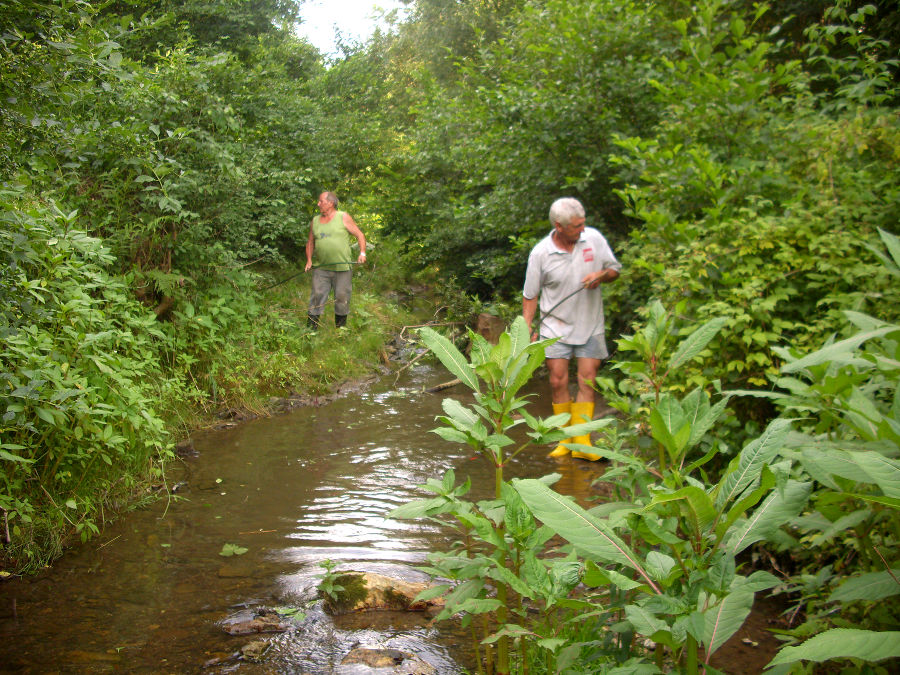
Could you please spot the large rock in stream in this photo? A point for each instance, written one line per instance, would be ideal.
(365, 591)
(387, 661)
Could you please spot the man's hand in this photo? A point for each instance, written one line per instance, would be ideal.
(308, 266)
(361, 259)
(593, 280)
(596, 278)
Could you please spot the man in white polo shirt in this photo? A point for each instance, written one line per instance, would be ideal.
(565, 270)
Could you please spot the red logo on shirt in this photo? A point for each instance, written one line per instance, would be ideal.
(588, 254)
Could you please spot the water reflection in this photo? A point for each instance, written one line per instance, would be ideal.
(294, 490)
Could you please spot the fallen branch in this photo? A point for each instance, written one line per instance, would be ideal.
(444, 385)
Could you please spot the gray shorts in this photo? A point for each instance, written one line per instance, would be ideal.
(595, 348)
(323, 281)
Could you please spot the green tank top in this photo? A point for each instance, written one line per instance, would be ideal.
(332, 243)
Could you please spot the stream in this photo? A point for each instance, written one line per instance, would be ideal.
(313, 484)
(150, 595)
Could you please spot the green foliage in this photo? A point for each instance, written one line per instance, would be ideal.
(844, 643)
(497, 542)
(79, 379)
(665, 558)
(529, 119)
(759, 197)
(229, 550)
(664, 561)
(329, 587)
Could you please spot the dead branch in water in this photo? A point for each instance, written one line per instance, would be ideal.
(444, 385)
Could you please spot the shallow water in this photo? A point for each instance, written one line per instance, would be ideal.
(294, 490)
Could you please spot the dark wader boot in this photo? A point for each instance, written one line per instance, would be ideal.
(340, 320)
(312, 320)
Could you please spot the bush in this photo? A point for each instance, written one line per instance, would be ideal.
(79, 371)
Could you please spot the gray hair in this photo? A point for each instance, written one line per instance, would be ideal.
(330, 196)
(564, 210)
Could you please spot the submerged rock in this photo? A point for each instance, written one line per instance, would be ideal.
(254, 650)
(365, 591)
(398, 661)
(247, 622)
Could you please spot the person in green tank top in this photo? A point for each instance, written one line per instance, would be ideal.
(329, 257)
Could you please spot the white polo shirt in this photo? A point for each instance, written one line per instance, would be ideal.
(554, 273)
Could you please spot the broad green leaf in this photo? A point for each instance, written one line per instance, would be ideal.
(505, 576)
(755, 455)
(588, 534)
(843, 643)
(526, 363)
(721, 573)
(634, 666)
(893, 502)
(662, 431)
(885, 472)
(229, 550)
(535, 574)
(659, 565)
(509, 629)
(502, 351)
(671, 413)
(695, 505)
(518, 519)
(46, 415)
(418, 508)
(841, 525)
(450, 356)
(873, 586)
(520, 336)
(595, 576)
(432, 592)
(458, 412)
(566, 575)
(779, 508)
(703, 424)
(478, 606)
(464, 591)
(552, 644)
(859, 467)
(587, 427)
(480, 351)
(14, 458)
(747, 501)
(724, 620)
(644, 622)
(758, 581)
(692, 345)
(837, 350)
(892, 242)
(452, 435)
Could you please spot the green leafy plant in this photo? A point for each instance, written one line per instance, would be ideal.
(329, 586)
(229, 550)
(497, 542)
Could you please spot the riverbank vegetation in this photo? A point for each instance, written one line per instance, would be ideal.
(159, 164)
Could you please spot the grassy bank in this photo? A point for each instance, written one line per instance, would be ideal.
(97, 387)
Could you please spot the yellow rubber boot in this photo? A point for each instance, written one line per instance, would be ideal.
(583, 411)
(558, 409)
